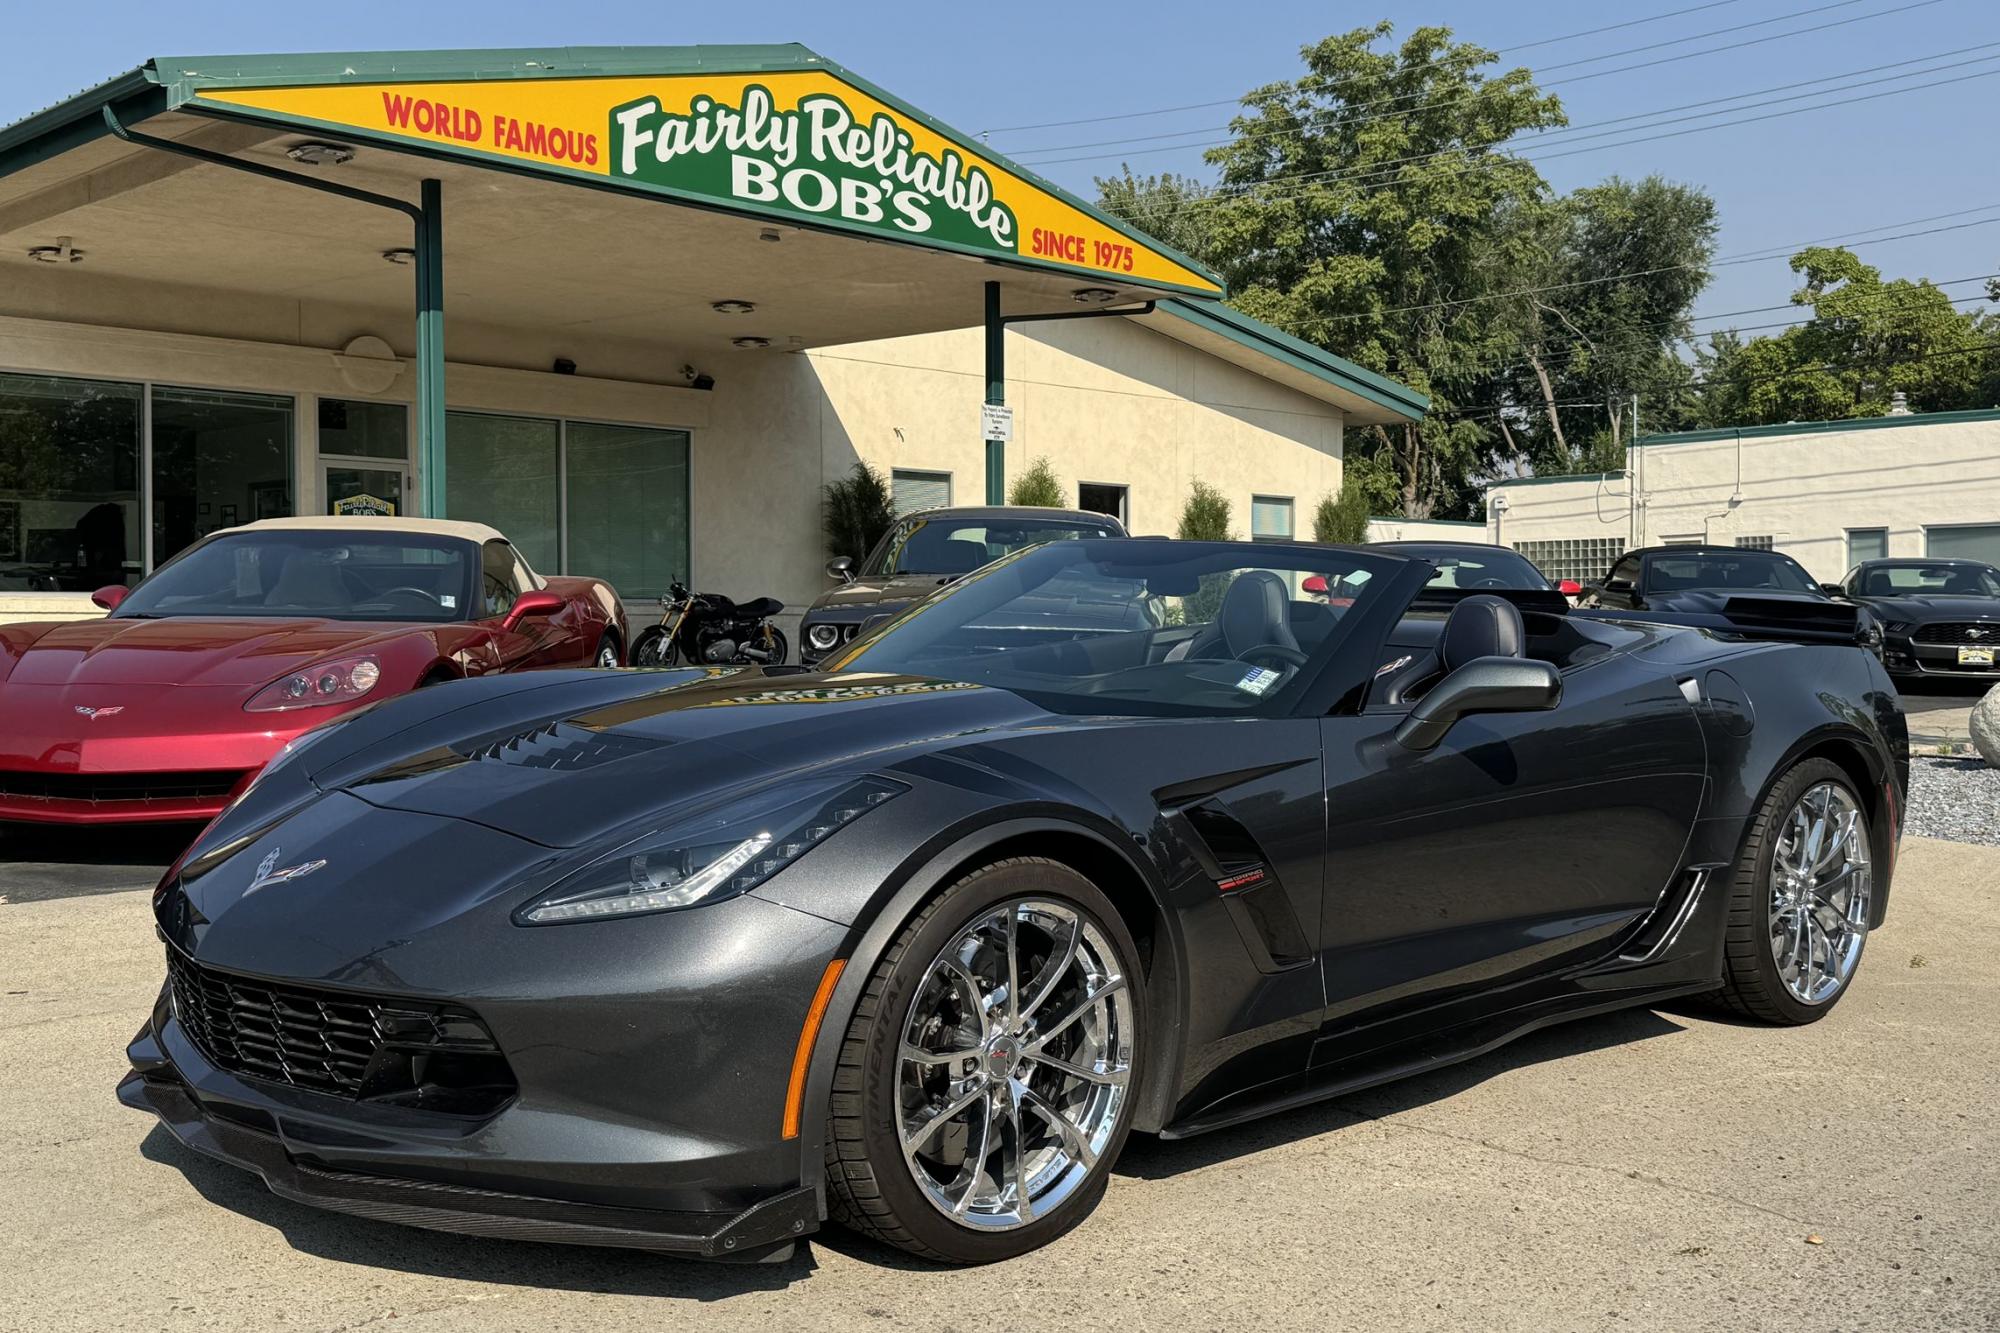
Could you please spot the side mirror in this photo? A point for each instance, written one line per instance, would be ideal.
(1833, 589)
(1570, 588)
(841, 567)
(541, 602)
(110, 595)
(1617, 585)
(1483, 685)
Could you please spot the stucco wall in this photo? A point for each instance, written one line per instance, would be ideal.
(1803, 490)
(1425, 530)
(1105, 400)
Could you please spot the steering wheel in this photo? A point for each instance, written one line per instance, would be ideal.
(1490, 581)
(427, 595)
(1276, 651)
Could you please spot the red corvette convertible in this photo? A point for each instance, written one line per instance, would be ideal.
(167, 708)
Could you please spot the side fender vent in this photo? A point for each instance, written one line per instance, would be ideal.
(1258, 904)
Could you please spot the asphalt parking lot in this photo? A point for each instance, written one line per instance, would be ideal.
(1650, 1169)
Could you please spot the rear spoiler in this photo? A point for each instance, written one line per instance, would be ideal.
(1774, 618)
(1546, 600)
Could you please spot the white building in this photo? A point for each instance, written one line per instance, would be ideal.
(1828, 493)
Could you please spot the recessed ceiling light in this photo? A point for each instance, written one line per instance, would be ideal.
(732, 307)
(62, 252)
(749, 344)
(313, 154)
(1093, 296)
(402, 254)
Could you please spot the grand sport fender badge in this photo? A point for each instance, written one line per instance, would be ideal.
(267, 876)
(94, 713)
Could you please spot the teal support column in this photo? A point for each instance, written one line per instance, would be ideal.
(996, 392)
(430, 349)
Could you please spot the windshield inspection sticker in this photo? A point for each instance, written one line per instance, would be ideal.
(1258, 679)
(448, 602)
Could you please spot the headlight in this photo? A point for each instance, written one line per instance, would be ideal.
(823, 636)
(710, 857)
(328, 683)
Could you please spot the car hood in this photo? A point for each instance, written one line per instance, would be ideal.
(1923, 610)
(566, 776)
(243, 651)
(875, 596)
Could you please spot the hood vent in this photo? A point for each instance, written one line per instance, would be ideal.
(560, 745)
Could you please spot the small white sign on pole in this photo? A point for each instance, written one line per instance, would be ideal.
(996, 421)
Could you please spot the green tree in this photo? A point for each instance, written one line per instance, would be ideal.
(1170, 208)
(1361, 207)
(1342, 519)
(1205, 516)
(1037, 485)
(1604, 283)
(1866, 341)
(856, 511)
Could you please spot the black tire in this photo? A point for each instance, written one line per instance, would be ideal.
(1752, 985)
(870, 1188)
(607, 643)
(651, 648)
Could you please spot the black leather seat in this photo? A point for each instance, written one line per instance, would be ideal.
(1256, 612)
(959, 555)
(762, 609)
(1481, 627)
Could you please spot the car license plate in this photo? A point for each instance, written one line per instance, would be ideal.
(1975, 657)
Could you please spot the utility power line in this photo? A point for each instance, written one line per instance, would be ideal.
(1235, 101)
(1543, 135)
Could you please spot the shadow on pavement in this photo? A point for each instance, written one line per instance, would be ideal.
(345, 1239)
(1147, 1157)
(37, 864)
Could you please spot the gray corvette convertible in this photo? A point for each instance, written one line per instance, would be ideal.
(695, 960)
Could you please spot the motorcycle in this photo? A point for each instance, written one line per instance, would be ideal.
(707, 629)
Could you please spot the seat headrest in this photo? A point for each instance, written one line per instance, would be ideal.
(960, 555)
(1256, 610)
(1481, 627)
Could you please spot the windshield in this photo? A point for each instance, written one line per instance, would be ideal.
(944, 544)
(1750, 571)
(1939, 580)
(1476, 568)
(327, 575)
(1134, 626)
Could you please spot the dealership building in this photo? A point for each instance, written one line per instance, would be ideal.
(1828, 493)
(634, 307)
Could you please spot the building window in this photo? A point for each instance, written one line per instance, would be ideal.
(504, 471)
(910, 490)
(1964, 541)
(1755, 543)
(351, 428)
(1685, 539)
(627, 489)
(1583, 559)
(1100, 497)
(69, 483)
(219, 459)
(1866, 544)
(1270, 518)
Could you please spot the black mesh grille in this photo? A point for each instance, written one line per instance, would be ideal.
(1966, 635)
(560, 745)
(353, 1046)
(208, 784)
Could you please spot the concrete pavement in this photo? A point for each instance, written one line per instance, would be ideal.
(1646, 1170)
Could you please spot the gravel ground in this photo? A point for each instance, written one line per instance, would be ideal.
(1958, 799)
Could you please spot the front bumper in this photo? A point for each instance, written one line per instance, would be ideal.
(1903, 657)
(154, 1086)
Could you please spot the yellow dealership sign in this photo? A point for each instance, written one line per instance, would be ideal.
(804, 144)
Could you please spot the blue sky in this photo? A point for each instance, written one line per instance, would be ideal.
(1831, 172)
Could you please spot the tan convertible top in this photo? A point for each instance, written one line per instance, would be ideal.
(429, 527)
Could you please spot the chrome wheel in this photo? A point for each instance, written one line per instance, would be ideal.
(1014, 1065)
(607, 655)
(1820, 883)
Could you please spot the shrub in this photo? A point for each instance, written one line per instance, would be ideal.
(1342, 519)
(1038, 485)
(857, 511)
(1205, 517)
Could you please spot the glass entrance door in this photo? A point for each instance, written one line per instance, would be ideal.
(361, 492)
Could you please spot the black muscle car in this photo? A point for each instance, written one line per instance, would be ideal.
(695, 960)
(926, 549)
(1938, 617)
